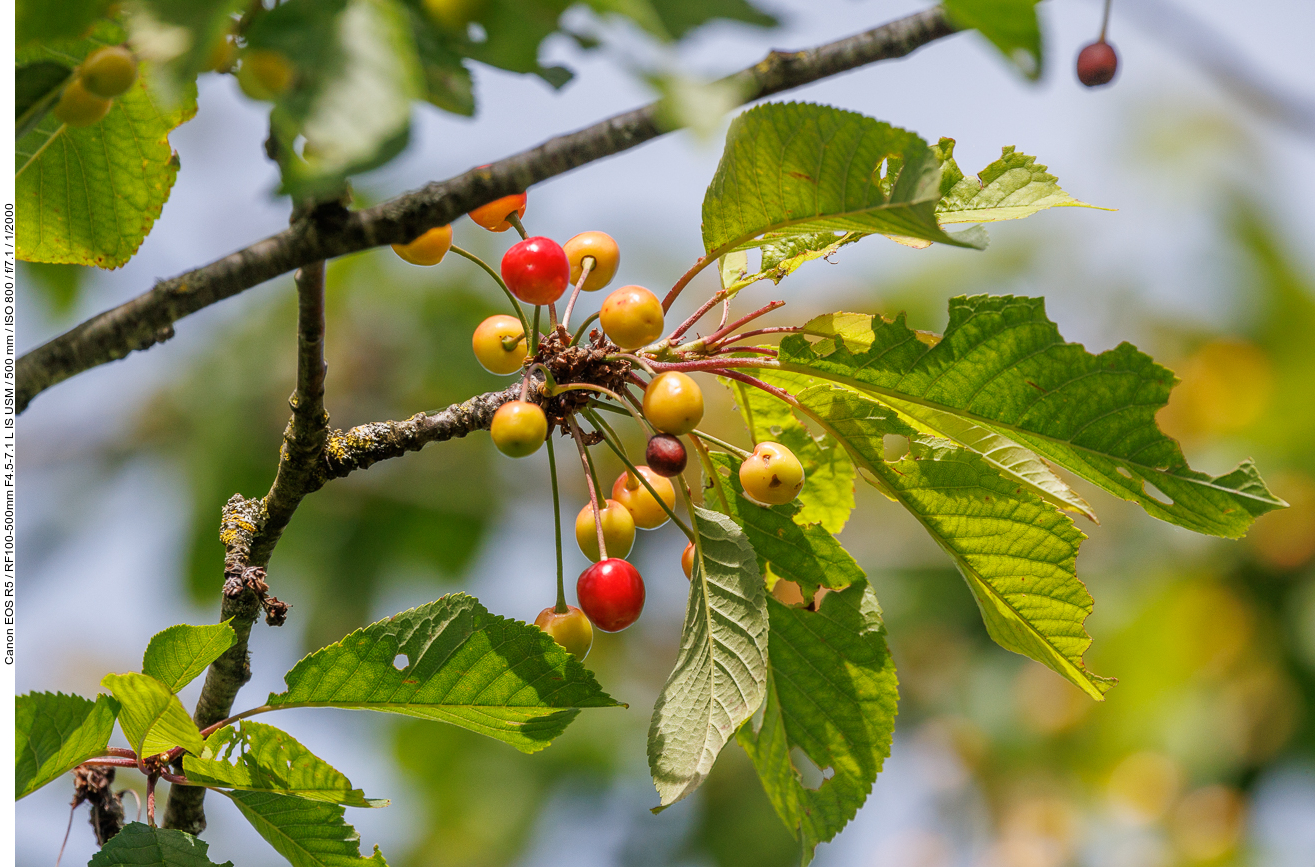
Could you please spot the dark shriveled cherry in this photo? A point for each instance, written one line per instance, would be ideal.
(1097, 64)
(665, 455)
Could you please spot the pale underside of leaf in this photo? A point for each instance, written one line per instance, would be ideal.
(1011, 188)
(1017, 553)
(721, 669)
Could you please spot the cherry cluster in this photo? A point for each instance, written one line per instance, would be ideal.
(106, 73)
(578, 380)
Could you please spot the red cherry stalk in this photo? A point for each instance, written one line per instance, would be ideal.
(743, 320)
(613, 443)
(593, 486)
(586, 265)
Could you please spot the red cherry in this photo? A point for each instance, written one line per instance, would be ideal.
(611, 592)
(536, 270)
(1097, 64)
(665, 455)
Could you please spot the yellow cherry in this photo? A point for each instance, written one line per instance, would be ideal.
(631, 493)
(572, 630)
(772, 474)
(631, 317)
(618, 530)
(499, 344)
(519, 428)
(428, 249)
(77, 107)
(603, 250)
(673, 403)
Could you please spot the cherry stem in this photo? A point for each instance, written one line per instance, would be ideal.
(632, 358)
(121, 751)
(775, 329)
(584, 326)
(515, 221)
(725, 313)
(71, 810)
(733, 449)
(150, 798)
(775, 392)
(586, 265)
(516, 305)
(709, 467)
(613, 442)
(112, 762)
(552, 316)
(593, 489)
(683, 487)
(716, 365)
(585, 386)
(534, 347)
(557, 526)
(697, 315)
(1105, 20)
(729, 350)
(638, 411)
(699, 264)
(743, 320)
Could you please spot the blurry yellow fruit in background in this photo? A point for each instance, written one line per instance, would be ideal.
(1226, 385)
(1144, 786)
(1208, 823)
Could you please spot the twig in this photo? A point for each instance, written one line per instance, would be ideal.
(333, 231)
(721, 332)
(696, 316)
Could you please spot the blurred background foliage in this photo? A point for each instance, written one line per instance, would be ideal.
(1213, 641)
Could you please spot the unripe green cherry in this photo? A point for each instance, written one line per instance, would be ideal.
(571, 630)
(428, 249)
(772, 474)
(77, 107)
(605, 253)
(673, 403)
(108, 72)
(519, 428)
(618, 530)
(631, 317)
(499, 344)
(687, 560)
(631, 493)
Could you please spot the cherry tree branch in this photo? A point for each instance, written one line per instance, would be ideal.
(331, 230)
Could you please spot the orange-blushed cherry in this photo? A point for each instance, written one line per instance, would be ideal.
(264, 74)
(603, 250)
(611, 593)
(772, 474)
(673, 403)
(631, 493)
(1097, 64)
(499, 344)
(519, 428)
(571, 629)
(428, 249)
(631, 317)
(687, 560)
(618, 530)
(78, 107)
(536, 270)
(108, 72)
(493, 216)
(666, 455)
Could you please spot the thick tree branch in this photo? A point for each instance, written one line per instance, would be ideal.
(331, 231)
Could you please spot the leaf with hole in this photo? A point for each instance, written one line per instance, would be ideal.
(456, 663)
(1003, 366)
(54, 733)
(832, 696)
(178, 654)
(1011, 188)
(721, 668)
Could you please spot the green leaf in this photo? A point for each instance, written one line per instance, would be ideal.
(36, 89)
(783, 254)
(179, 38)
(259, 757)
(151, 716)
(828, 497)
(674, 19)
(1018, 555)
(138, 845)
(178, 654)
(788, 548)
(1003, 366)
(90, 195)
(357, 70)
(498, 677)
(448, 84)
(44, 21)
(54, 733)
(1011, 188)
(1010, 25)
(307, 833)
(794, 169)
(842, 721)
(721, 669)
